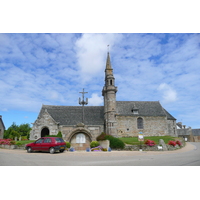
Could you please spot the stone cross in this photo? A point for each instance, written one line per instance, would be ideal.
(83, 102)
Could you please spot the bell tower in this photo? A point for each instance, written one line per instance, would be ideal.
(109, 93)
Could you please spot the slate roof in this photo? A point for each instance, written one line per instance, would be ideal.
(94, 115)
(145, 108)
(72, 115)
(196, 132)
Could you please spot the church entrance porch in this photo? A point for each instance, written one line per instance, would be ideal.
(44, 132)
(80, 141)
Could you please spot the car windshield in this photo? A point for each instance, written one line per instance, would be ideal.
(59, 140)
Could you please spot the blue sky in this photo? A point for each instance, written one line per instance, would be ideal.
(52, 69)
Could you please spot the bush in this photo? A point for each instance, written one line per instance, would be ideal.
(115, 143)
(94, 144)
(173, 143)
(59, 134)
(18, 143)
(102, 136)
(68, 145)
(178, 142)
(7, 141)
(50, 136)
(150, 143)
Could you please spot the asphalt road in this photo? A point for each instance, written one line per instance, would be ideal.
(187, 156)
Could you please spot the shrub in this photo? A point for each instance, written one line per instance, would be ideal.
(178, 142)
(94, 144)
(51, 136)
(102, 136)
(150, 143)
(18, 143)
(24, 138)
(12, 142)
(59, 134)
(68, 145)
(115, 143)
(173, 143)
(6, 141)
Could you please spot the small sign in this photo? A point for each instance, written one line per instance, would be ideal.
(140, 137)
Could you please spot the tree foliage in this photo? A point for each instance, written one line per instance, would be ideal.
(14, 130)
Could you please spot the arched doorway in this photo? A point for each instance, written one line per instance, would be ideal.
(44, 132)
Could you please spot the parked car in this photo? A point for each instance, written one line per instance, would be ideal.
(49, 144)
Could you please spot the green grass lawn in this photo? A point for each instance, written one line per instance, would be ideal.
(24, 142)
(134, 140)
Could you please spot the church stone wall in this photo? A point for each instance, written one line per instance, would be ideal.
(172, 130)
(152, 126)
(43, 121)
(94, 131)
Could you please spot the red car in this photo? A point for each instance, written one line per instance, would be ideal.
(49, 144)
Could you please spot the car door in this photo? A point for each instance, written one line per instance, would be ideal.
(38, 145)
(46, 144)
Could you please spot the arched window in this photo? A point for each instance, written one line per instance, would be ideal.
(140, 123)
(110, 82)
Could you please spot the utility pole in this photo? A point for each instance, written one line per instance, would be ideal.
(83, 102)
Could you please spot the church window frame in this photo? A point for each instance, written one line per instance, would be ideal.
(140, 123)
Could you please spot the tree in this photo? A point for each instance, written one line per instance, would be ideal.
(17, 131)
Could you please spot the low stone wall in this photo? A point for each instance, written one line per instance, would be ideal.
(153, 148)
(3, 146)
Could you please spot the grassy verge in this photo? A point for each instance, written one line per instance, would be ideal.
(24, 142)
(134, 140)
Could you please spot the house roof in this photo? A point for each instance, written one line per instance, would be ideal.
(94, 115)
(196, 132)
(72, 115)
(144, 108)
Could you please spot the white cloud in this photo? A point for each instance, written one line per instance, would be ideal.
(95, 100)
(168, 94)
(91, 53)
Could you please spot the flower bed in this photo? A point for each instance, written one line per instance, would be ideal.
(150, 143)
(98, 148)
(7, 142)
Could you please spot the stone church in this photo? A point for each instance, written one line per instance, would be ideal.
(117, 118)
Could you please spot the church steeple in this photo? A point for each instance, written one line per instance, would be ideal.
(108, 63)
(109, 93)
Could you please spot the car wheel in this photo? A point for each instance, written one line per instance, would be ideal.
(61, 151)
(29, 150)
(52, 150)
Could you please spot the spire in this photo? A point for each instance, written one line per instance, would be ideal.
(108, 63)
